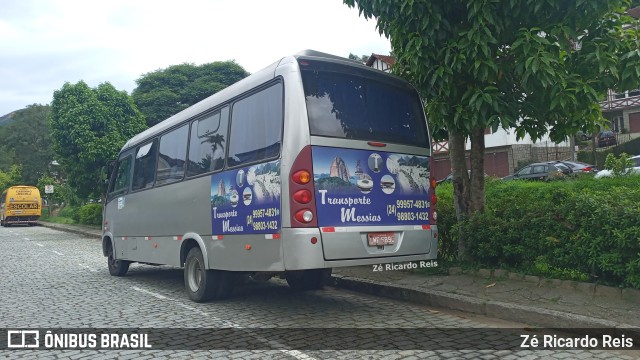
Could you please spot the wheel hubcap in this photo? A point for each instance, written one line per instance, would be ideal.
(194, 275)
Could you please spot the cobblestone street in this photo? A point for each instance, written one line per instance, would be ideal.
(53, 279)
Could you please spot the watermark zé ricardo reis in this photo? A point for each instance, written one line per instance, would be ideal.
(405, 266)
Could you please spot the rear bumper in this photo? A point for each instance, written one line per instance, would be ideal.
(21, 219)
(349, 248)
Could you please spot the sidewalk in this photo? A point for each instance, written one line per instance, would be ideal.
(509, 296)
(527, 299)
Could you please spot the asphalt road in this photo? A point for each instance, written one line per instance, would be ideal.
(55, 280)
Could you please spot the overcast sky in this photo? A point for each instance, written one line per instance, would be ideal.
(45, 43)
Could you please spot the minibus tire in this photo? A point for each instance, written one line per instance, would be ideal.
(116, 267)
(201, 284)
(312, 279)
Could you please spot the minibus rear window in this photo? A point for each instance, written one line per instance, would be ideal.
(344, 103)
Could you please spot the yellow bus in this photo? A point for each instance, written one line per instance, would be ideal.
(20, 205)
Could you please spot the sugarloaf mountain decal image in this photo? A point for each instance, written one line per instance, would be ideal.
(361, 187)
(246, 200)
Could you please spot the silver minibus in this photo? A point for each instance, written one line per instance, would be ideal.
(312, 163)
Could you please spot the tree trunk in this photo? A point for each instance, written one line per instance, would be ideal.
(476, 203)
(460, 181)
(593, 152)
(572, 147)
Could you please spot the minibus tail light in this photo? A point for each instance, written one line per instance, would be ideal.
(304, 216)
(302, 203)
(302, 196)
(301, 177)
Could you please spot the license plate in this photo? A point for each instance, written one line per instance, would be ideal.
(381, 239)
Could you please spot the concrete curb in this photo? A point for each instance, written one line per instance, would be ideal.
(513, 312)
(585, 287)
(70, 229)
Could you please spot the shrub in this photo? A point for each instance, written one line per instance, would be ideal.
(447, 247)
(70, 212)
(581, 229)
(91, 214)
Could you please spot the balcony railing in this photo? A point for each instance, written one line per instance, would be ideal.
(441, 147)
(618, 104)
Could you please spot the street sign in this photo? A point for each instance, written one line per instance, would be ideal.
(48, 189)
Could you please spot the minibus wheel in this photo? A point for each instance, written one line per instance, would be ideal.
(201, 284)
(116, 267)
(307, 279)
(195, 276)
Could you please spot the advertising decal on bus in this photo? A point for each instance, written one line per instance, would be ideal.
(361, 187)
(246, 200)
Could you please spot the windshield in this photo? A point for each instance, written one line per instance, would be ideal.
(347, 102)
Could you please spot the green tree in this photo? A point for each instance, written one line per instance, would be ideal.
(61, 192)
(619, 166)
(7, 153)
(27, 141)
(165, 92)
(530, 66)
(89, 127)
(362, 58)
(10, 178)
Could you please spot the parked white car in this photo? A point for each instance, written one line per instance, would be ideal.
(632, 170)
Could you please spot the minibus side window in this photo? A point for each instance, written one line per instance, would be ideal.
(171, 159)
(256, 127)
(144, 168)
(122, 177)
(208, 142)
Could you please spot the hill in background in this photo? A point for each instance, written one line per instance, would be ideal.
(8, 118)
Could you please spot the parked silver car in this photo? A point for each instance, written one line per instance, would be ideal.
(577, 166)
